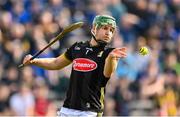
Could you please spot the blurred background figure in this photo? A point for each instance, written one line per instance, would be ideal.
(43, 105)
(22, 102)
(142, 85)
(5, 109)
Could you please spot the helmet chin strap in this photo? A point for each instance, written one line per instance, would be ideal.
(100, 43)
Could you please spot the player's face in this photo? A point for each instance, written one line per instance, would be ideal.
(105, 33)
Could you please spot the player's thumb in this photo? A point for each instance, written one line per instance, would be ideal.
(124, 49)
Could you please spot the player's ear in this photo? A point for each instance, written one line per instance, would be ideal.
(114, 33)
(93, 29)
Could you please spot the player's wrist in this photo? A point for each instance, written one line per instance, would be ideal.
(112, 57)
(34, 61)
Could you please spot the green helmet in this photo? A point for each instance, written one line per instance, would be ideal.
(101, 20)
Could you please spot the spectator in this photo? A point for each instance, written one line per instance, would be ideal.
(22, 103)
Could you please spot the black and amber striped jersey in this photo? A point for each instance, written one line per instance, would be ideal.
(87, 81)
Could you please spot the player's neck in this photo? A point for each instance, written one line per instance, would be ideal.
(93, 42)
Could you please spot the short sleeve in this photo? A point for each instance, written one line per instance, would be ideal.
(69, 52)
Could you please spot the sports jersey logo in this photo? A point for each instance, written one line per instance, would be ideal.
(84, 65)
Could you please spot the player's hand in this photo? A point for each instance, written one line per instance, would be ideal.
(27, 60)
(118, 53)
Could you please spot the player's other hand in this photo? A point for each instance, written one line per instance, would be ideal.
(27, 60)
(119, 53)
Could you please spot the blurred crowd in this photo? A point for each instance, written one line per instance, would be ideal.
(142, 85)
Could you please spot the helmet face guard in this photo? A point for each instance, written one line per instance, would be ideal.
(100, 21)
(101, 43)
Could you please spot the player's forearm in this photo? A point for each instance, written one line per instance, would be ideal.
(46, 63)
(110, 66)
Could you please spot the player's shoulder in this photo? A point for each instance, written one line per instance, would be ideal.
(79, 45)
(82, 43)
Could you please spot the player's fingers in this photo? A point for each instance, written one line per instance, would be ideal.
(121, 54)
(118, 53)
(27, 59)
(120, 50)
(124, 49)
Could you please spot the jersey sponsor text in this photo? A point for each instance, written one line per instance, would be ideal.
(84, 65)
